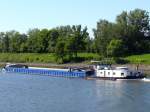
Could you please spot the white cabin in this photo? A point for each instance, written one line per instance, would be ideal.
(105, 71)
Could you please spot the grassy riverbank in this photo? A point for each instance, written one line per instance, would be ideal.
(50, 58)
(40, 58)
(139, 59)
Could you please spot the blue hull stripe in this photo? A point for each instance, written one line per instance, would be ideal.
(56, 73)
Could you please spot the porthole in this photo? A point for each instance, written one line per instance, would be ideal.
(122, 74)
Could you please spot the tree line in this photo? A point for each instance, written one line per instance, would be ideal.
(129, 34)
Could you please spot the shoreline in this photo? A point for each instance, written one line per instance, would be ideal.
(143, 67)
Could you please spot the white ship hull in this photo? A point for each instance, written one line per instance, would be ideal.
(107, 72)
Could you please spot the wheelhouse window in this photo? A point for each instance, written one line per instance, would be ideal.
(114, 73)
(122, 74)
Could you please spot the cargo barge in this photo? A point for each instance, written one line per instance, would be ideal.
(68, 72)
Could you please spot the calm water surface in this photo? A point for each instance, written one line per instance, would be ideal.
(30, 93)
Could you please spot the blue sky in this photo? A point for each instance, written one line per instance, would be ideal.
(21, 15)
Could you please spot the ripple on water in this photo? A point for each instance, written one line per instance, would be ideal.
(31, 93)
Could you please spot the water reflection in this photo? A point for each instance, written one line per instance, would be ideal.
(124, 96)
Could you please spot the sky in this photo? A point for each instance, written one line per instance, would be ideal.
(22, 15)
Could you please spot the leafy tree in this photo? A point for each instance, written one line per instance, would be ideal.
(131, 28)
(16, 39)
(5, 43)
(115, 48)
(103, 35)
(64, 31)
(52, 40)
(2, 35)
(75, 38)
(60, 51)
(89, 45)
(23, 43)
(42, 40)
(79, 36)
(32, 42)
(70, 46)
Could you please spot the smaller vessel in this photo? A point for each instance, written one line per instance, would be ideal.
(9, 65)
(107, 72)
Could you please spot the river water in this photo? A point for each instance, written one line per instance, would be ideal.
(31, 93)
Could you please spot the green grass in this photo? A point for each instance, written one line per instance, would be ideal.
(139, 59)
(39, 58)
(88, 56)
(27, 57)
(50, 58)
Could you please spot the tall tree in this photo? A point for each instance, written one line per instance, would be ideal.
(52, 40)
(16, 40)
(79, 36)
(32, 43)
(42, 40)
(131, 28)
(5, 43)
(103, 35)
(115, 48)
(2, 35)
(60, 51)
